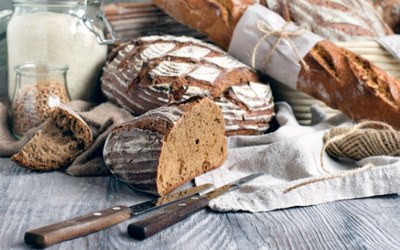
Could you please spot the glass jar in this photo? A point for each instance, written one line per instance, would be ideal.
(4, 17)
(59, 30)
(40, 86)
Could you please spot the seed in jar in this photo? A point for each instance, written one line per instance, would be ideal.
(33, 103)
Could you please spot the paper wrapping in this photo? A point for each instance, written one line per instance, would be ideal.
(283, 64)
(391, 44)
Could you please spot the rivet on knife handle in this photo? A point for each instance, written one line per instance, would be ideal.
(77, 227)
(166, 217)
(176, 212)
(96, 221)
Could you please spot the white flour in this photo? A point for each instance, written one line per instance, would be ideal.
(61, 38)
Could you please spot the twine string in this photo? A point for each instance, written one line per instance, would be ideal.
(368, 138)
(329, 177)
(280, 34)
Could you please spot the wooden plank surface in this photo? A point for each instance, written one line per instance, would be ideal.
(29, 200)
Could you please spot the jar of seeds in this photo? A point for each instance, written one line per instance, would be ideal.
(40, 86)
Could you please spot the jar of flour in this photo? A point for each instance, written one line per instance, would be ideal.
(62, 31)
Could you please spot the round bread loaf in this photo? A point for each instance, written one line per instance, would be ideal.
(167, 146)
(152, 71)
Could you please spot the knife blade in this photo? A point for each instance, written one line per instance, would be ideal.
(83, 225)
(176, 212)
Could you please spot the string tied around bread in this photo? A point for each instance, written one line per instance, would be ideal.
(365, 139)
(280, 34)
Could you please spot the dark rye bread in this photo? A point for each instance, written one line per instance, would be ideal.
(341, 20)
(152, 71)
(168, 146)
(60, 140)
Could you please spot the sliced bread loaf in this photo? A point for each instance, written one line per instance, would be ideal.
(62, 138)
(168, 146)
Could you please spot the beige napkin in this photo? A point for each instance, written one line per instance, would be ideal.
(293, 176)
(99, 118)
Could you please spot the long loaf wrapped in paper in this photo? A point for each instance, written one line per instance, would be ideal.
(297, 58)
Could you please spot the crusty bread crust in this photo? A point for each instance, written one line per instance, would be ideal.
(152, 71)
(338, 77)
(168, 146)
(344, 20)
(350, 83)
(215, 18)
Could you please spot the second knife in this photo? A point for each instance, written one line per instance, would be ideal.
(80, 226)
(174, 213)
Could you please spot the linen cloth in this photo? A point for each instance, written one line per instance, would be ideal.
(289, 158)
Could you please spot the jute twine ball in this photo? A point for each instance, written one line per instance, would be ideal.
(362, 140)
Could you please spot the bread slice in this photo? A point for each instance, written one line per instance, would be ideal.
(62, 138)
(168, 146)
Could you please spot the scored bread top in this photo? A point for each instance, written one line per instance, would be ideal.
(341, 20)
(152, 61)
(150, 72)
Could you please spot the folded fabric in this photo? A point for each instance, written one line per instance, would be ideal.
(99, 118)
(293, 174)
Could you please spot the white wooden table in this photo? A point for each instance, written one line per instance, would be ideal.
(29, 200)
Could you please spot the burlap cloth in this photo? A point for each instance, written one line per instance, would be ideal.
(100, 119)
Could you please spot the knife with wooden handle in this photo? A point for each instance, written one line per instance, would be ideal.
(83, 225)
(176, 212)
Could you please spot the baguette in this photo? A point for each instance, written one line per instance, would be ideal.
(215, 18)
(341, 79)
